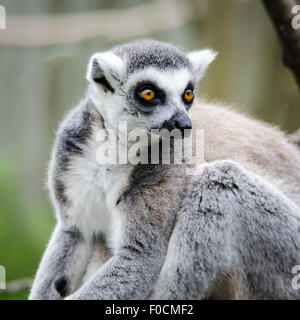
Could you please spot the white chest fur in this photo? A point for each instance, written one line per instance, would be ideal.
(94, 190)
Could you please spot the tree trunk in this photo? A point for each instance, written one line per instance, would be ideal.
(281, 14)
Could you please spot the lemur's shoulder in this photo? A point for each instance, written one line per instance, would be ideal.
(71, 140)
(75, 130)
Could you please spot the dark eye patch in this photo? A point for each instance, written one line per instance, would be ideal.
(160, 95)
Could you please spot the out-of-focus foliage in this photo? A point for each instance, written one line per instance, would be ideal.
(39, 83)
(23, 231)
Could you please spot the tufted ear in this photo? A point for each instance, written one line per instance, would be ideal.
(106, 69)
(200, 60)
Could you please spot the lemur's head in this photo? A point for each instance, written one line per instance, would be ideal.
(149, 84)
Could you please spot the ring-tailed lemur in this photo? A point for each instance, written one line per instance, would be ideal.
(237, 219)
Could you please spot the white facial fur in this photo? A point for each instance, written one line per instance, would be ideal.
(114, 105)
(173, 82)
(113, 69)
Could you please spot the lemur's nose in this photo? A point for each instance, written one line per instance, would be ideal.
(178, 121)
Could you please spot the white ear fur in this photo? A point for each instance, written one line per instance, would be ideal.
(106, 64)
(200, 60)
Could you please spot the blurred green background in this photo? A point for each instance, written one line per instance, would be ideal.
(43, 56)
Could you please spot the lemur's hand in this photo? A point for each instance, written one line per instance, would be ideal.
(49, 287)
(133, 270)
(62, 264)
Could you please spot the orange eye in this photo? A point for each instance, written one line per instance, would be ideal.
(188, 95)
(148, 94)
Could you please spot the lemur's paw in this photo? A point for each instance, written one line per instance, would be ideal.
(62, 286)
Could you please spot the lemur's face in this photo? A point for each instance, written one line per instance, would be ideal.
(148, 84)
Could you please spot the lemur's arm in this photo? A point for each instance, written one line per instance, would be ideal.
(67, 253)
(61, 267)
(147, 210)
(131, 273)
(236, 237)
